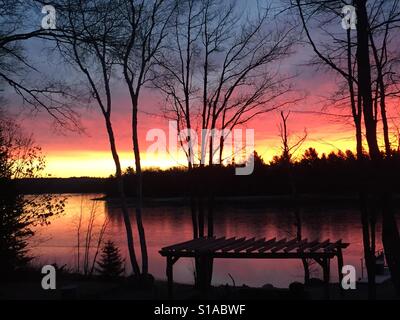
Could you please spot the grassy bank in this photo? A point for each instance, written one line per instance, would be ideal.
(81, 288)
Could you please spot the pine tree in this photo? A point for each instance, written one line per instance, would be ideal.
(14, 227)
(111, 264)
(19, 215)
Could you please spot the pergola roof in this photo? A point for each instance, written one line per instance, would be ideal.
(255, 248)
(208, 248)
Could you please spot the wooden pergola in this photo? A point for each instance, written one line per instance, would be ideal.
(207, 249)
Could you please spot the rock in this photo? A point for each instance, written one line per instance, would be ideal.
(142, 281)
(315, 282)
(69, 292)
(268, 286)
(296, 288)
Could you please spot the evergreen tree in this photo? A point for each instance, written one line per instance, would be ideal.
(111, 264)
(18, 214)
(13, 227)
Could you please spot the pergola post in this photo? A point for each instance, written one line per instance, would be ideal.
(205, 250)
(340, 267)
(170, 274)
(326, 272)
(204, 272)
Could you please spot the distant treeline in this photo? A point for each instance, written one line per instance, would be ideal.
(64, 185)
(335, 173)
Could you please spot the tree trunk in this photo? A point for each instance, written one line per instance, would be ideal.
(299, 238)
(298, 222)
(381, 92)
(355, 106)
(364, 78)
(201, 214)
(121, 193)
(391, 240)
(194, 217)
(369, 252)
(390, 232)
(359, 139)
(210, 216)
(388, 149)
(139, 187)
(221, 148)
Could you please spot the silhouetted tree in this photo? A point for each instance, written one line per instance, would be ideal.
(288, 150)
(310, 156)
(37, 90)
(353, 58)
(87, 32)
(14, 228)
(392, 246)
(19, 158)
(145, 26)
(111, 264)
(334, 52)
(214, 50)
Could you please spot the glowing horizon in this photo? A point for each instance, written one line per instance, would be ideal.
(71, 154)
(99, 163)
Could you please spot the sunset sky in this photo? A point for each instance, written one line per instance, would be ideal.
(87, 154)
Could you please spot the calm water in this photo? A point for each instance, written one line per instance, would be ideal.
(168, 225)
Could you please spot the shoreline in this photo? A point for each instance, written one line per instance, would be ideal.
(269, 200)
(123, 289)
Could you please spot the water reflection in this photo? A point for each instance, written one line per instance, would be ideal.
(170, 224)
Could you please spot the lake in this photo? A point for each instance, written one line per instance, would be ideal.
(166, 225)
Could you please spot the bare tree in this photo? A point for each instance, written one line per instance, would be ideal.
(89, 31)
(221, 70)
(247, 83)
(390, 237)
(384, 18)
(355, 71)
(178, 65)
(37, 90)
(369, 77)
(94, 233)
(334, 53)
(145, 27)
(288, 150)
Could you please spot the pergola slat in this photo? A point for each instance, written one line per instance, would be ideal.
(250, 244)
(184, 244)
(283, 245)
(307, 245)
(295, 245)
(202, 246)
(319, 246)
(271, 245)
(244, 245)
(195, 244)
(333, 246)
(233, 245)
(260, 245)
(218, 246)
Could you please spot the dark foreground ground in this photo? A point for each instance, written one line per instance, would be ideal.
(127, 290)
